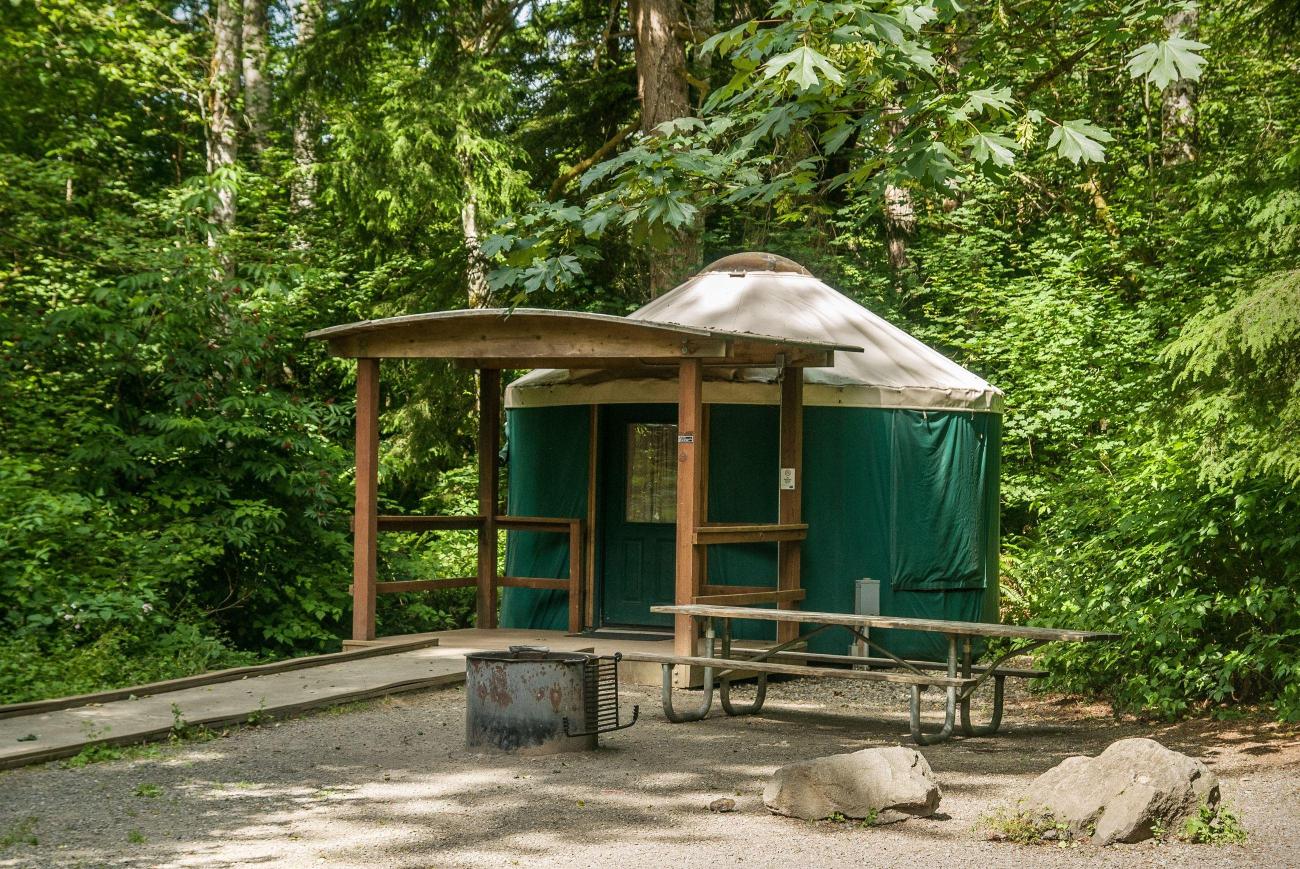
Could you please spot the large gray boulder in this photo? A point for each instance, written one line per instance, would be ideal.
(887, 784)
(1124, 793)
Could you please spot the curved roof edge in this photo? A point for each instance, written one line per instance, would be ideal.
(662, 391)
(769, 294)
(512, 338)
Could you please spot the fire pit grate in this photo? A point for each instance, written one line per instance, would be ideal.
(600, 698)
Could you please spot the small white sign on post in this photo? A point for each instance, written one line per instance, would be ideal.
(787, 479)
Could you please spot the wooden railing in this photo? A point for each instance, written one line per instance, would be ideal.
(717, 533)
(714, 533)
(573, 584)
(430, 523)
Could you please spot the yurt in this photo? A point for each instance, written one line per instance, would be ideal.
(900, 460)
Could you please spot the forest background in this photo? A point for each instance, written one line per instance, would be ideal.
(1093, 204)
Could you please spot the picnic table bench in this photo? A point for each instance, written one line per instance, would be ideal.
(959, 678)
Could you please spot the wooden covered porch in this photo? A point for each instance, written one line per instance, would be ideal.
(491, 340)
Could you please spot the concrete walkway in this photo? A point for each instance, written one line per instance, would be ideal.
(152, 711)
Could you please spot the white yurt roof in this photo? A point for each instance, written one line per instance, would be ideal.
(770, 295)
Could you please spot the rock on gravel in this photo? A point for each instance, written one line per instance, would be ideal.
(888, 784)
(1125, 792)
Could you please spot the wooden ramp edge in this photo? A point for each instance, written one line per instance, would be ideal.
(47, 730)
(142, 736)
(216, 676)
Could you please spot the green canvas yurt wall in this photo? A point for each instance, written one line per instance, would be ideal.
(908, 497)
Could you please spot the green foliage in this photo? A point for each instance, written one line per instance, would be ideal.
(1023, 826)
(257, 716)
(102, 753)
(151, 433)
(1079, 142)
(1214, 825)
(179, 724)
(862, 823)
(184, 731)
(174, 459)
(1165, 62)
(21, 832)
(1241, 364)
(96, 753)
(40, 664)
(1195, 577)
(1174, 525)
(825, 102)
(413, 124)
(433, 555)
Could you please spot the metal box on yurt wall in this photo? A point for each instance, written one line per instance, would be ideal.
(530, 700)
(866, 602)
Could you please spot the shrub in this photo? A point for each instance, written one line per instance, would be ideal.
(1198, 578)
(1217, 825)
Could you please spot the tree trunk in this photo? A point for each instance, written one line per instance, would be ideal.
(703, 24)
(223, 92)
(660, 62)
(609, 41)
(900, 215)
(900, 223)
(302, 190)
(257, 88)
(476, 271)
(495, 19)
(1178, 102)
(662, 87)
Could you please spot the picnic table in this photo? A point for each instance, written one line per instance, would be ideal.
(959, 678)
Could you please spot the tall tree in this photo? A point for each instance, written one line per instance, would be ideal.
(480, 37)
(476, 265)
(665, 96)
(899, 212)
(703, 25)
(222, 96)
(257, 87)
(660, 61)
(302, 188)
(1178, 100)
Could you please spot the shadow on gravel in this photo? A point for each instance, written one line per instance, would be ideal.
(393, 785)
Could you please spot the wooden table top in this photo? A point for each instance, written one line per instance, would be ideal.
(969, 629)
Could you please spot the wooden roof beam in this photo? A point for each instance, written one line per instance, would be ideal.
(808, 359)
(533, 338)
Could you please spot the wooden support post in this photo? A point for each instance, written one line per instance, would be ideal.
(576, 557)
(589, 565)
(791, 499)
(489, 444)
(691, 497)
(706, 417)
(365, 518)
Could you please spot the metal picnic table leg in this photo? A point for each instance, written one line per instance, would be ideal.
(979, 729)
(706, 703)
(950, 711)
(724, 684)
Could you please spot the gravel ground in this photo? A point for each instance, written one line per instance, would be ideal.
(389, 784)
